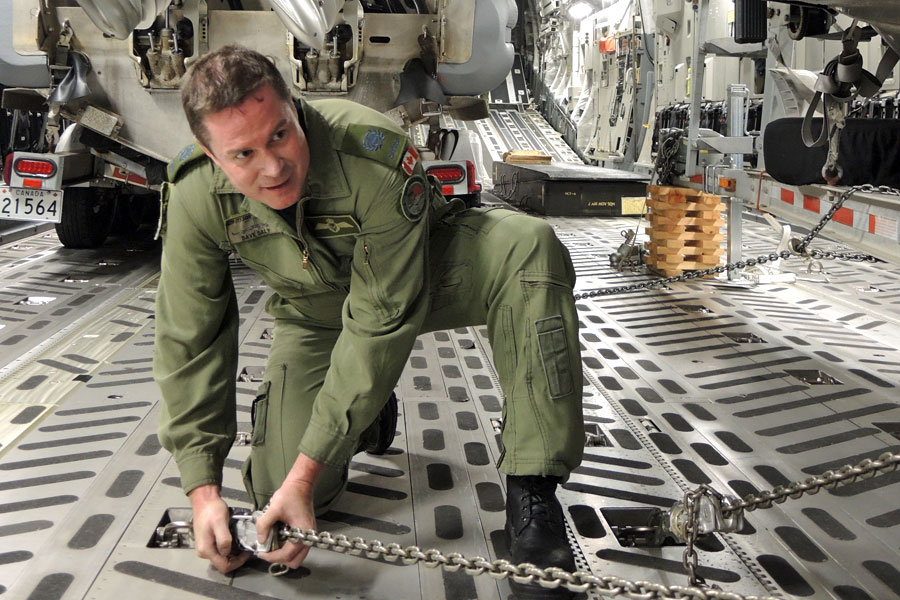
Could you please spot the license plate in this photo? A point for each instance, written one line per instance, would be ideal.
(24, 204)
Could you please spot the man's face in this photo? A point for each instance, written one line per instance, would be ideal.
(261, 148)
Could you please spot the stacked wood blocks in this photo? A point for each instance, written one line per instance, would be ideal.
(526, 157)
(684, 230)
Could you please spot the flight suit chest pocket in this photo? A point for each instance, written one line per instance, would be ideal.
(258, 415)
(551, 336)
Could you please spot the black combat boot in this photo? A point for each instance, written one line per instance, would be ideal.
(380, 434)
(536, 532)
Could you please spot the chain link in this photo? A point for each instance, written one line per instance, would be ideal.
(611, 586)
(689, 559)
(885, 463)
(664, 169)
(549, 578)
(741, 264)
(799, 248)
(583, 581)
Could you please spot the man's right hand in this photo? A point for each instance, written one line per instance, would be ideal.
(211, 535)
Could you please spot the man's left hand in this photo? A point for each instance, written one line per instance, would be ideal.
(292, 504)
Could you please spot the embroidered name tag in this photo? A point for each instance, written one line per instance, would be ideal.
(245, 227)
(330, 226)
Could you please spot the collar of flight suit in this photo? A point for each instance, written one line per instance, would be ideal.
(325, 178)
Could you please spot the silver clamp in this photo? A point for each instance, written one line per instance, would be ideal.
(709, 515)
(243, 528)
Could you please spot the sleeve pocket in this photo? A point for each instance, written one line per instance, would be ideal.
(554, 355)
(258, 415)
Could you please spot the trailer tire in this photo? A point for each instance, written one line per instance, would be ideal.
(86, 218)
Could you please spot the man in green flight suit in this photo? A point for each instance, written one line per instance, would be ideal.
(328, 203)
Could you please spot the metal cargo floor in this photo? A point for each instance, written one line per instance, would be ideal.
(739, 386)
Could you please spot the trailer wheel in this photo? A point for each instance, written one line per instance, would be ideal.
(86, 218)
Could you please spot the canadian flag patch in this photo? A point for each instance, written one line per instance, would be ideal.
(409, 160)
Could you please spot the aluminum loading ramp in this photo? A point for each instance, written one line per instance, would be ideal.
(741, 387)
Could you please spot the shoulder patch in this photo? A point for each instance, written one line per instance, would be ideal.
(377, 143)
(410, 158)
(415, 198)
(245, 227)
(188, 155)
(332, 226)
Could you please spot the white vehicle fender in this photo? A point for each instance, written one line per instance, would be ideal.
(308, 20)
(119, 18)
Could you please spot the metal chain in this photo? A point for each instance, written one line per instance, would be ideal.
(549, 578)
(582, 581)
(664, 169)
(611, 586)
(798, 249)
(741, 264)
(885, 463)
(689, 559)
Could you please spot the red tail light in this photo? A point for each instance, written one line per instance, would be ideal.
(448, 174)
(35, 168)
(473, 187)
(7, 168)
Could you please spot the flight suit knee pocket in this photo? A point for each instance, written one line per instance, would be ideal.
(554, 349)
(259, 414)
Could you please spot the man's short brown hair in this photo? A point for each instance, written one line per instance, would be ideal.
(224, 79)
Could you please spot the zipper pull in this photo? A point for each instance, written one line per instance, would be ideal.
(305, 259)
(366, 250)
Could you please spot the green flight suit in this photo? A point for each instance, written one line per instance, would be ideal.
(377, 257)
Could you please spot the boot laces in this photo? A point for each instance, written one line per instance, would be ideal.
(536, 501)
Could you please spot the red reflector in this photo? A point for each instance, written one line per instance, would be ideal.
(811, 203)
(38, 168)
(470, 170)
(7, 168)
(447, 189)
(32, 183)
(844, 216)
(448, 174)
